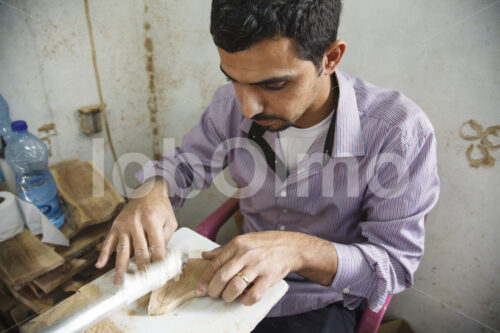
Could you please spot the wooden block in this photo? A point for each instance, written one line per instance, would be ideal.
(85, 296)
(74, 181)
(28, 298)
(85, 241)
(25, 257)
(176, 292)
(20, 313)
(53, 279)
(8, 301)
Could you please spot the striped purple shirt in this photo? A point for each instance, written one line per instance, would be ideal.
(369, 199)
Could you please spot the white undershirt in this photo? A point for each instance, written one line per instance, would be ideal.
(295, 142)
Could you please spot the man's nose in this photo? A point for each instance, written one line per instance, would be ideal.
(251, 102)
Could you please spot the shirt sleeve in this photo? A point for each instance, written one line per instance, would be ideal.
(191, 166)
(403, 188)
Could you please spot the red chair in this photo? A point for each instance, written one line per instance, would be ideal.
(369, 322)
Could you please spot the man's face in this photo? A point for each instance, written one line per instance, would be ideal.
(276, 88)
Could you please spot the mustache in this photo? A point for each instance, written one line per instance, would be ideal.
(263, 117)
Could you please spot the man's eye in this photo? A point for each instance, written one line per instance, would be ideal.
(276, 85)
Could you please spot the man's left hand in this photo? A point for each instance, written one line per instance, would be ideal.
(250, 264)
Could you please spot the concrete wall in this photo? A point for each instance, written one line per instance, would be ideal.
(442, 54)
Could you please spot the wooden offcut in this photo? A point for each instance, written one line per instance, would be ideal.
(75, 180)
(177, 291)
(53, 279)
(85, 296)
(85, 241)
(21, 313)
(25, 257)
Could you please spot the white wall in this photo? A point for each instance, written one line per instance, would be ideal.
(445, 56)
(442, 54)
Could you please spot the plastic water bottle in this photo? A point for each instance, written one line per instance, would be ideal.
(28, 157)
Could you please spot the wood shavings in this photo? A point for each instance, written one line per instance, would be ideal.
(486, 160)
(492, 130)
(475, 126)
(483, 146)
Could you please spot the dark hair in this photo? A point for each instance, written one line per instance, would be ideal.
(312, 24)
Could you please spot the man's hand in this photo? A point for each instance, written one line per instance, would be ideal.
(145, 225)
(255, 262)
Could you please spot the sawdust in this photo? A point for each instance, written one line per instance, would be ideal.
(104, 326)
(91, 291)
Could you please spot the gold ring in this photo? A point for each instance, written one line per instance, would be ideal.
(243, 277)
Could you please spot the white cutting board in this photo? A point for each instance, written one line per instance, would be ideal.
(200, 314)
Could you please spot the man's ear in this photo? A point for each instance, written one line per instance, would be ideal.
(332, 56)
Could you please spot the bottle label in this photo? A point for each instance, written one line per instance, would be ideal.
(50, 208)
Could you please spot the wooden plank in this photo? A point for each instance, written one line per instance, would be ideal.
(84, 297)
(28, 298)
(21, 313)
(58, 276)
(85, 241)
(8, 301)
(75, 181)
(25, 257)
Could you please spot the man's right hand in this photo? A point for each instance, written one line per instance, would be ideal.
(145, 225)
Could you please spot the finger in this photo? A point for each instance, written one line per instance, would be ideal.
(168, 230)
(223, 277)
(257, 291)
(122, 257)
(141, 251)
(107, 248)
(211, 254)
(238, 284)
(215, 264)
(156, 242)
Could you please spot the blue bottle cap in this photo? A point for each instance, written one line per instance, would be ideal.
(19, 126)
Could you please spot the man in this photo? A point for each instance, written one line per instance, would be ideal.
(345, 222)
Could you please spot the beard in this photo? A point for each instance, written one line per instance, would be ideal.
(263, 117)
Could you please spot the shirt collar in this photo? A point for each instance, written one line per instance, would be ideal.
(348, 135)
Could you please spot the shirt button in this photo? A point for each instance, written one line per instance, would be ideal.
(346, 290)
(283, 193)
(282, 227)
(284, 211)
